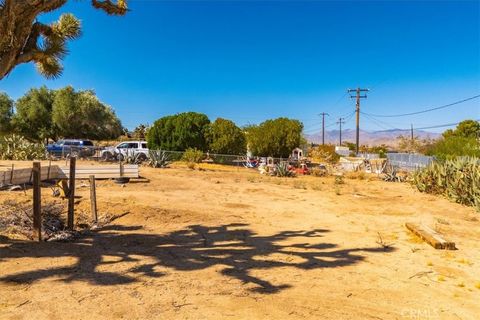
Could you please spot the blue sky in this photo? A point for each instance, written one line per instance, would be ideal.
(253, 60)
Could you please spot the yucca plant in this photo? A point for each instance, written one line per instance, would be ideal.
(16, 147)
(158, 159)
(282, 170)
(458, 179)
(391, 174)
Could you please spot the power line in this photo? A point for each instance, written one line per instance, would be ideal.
(423, 111)
(317, 126)
(378, 123)
(349, 116)
(430, 127)
(440, 125)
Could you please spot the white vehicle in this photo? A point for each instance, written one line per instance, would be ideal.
(136, 149)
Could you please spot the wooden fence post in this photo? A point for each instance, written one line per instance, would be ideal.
(93, 198)
(121, 169)
(11, 174)
(49, 166)
(37, 201)
(71, 193)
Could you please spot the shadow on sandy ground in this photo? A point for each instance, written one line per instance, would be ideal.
(233, 246)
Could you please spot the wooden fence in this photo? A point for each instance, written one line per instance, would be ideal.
(47, 172)
(71, 173)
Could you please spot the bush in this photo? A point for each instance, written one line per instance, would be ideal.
(451, 147)
(339, 179)
(319, 172)
(458, 179)
(192, 155)
(179, 132)
(360, 175)
(15, 147)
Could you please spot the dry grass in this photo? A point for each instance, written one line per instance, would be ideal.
(356, 175)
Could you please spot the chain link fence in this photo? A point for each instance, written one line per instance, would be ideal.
(107, 154)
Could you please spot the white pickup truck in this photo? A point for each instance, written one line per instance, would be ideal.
(136, 149)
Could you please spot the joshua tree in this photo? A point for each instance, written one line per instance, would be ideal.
(23, 39)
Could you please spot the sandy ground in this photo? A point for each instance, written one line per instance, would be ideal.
(227, 243)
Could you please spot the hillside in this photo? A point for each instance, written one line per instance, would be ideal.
(388, 137)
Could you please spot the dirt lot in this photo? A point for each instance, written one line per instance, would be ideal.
(228, 243)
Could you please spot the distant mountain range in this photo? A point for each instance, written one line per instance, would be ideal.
(372, 138)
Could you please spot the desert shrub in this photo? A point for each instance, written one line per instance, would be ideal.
(338, 190)
(360, 175)
(324, 153)
(381, 150)
(458, 179)
(452, 146)
(192, 155)
(15, 147)
(319, 172)
(339, 179)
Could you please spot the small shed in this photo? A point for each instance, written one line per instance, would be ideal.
(297, 154)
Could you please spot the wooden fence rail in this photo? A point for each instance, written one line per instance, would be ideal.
(47, 172)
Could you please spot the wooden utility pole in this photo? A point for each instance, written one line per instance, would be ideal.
(340, 122)
(37, 201)
(358, 91)
(411, 132)
(71, 193)
(323, 114)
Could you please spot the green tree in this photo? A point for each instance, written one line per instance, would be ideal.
(407, 144)
(140, 132)
(464, 140)
(32, 117)
(275, 138)
(179, 132)
(24, 39)
(79, 114)
(6, 113)
(224, 137)
(466, 129)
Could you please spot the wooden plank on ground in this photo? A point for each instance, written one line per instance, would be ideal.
(101, 172)
(430, 236)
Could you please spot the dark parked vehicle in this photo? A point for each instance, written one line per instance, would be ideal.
(71, 147)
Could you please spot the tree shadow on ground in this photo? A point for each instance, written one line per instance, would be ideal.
(234, 247)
